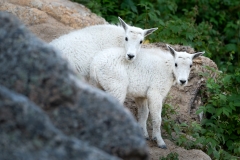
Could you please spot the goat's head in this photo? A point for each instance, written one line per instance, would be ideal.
(182, 65)
(134, 37)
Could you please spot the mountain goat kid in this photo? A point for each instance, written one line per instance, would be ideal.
(79, 47)
(147, 79)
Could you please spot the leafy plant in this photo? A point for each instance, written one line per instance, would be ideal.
(222, 110)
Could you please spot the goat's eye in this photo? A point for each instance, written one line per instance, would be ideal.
(126, 39)
(175, 64)
(140, 42)
(190, 65)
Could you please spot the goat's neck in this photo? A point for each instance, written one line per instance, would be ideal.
(174, 78)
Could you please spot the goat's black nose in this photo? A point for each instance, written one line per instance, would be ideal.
(183, 81)
(130, 56)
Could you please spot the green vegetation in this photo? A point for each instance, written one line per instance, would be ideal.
(211, 26)
(221, 127)
(219, 133)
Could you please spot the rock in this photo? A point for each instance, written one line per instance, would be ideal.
(26, 132)
(182, 153)
(49, 19)
(33, 68)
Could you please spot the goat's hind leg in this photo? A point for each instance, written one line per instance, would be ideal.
(143, 112)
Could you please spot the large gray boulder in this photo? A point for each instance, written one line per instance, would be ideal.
(33, 68)
(26, 132)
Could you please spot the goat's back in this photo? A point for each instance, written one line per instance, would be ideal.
(80, 46)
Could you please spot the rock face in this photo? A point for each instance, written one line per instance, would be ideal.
(49, 19)
(27, 131)
(34, 69)
(183, 154)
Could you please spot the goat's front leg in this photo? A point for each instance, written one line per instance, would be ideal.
(118, 92)
(155, 108)
(116, 86)
(143, 112)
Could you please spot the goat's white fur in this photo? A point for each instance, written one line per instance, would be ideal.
(79, 47)
(147, 79)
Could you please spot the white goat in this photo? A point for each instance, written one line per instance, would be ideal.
(80, 46)
(147, 79)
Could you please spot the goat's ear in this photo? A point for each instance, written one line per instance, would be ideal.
(172, 51)
(123, 24)
(195, 55)
(149, 31)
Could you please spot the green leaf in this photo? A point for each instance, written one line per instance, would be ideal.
(225, 111)
(219, 111)
(190, 36)
(222, 98)
(209, 86)
(210, 109)
(153, 16)
(161, 22)
(201, 109)
(237, 104)
(216, 154)
(231, 47)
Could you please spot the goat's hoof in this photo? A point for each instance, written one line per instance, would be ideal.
(163, 146)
